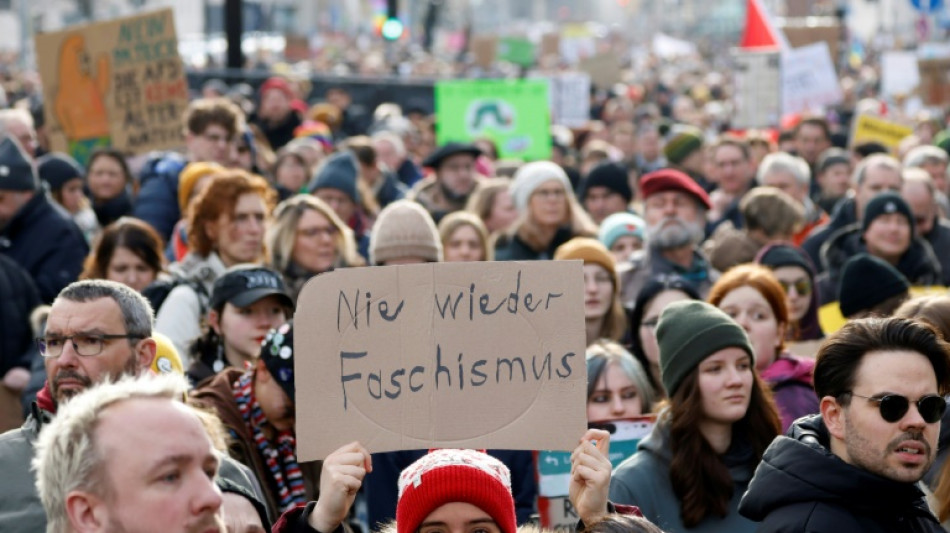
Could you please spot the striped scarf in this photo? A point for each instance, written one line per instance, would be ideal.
(282, 462)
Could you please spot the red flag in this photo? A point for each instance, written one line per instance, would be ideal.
(759, 32)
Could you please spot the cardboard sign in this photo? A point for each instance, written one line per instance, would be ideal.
(517, 51)
(554, 469)
(464, 355)
(484, 48)
(570, 99)
(514, 113)
(871, 128)
(809, 81)
(758, 88)
(604, 69)
(935, 81)
(119, 83)
(804, 31)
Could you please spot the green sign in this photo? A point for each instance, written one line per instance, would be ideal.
(517, 51)
(513, 113)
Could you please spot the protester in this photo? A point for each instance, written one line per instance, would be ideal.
(921, 196)
(128, 251)
(792, 175)
(191, 181)
(226, 226)
(18, 123)
(855, 466)
(675, 212)
(453, 182)
(752, 296)
(617, 384)
(20, 298)
(549, 215)
(603, 315)
(690, 472)
(247, 301)
(404, 234)
(622, 234)
(336, 182)
(833, 175)
(308, 238)
(492, 203)
(683, 151)
(733, 175)
(64, 177)
(109, 182)
(812, 138)
(891, 288)
(793, 270)
(391, 150)
(464, 238)
(41, 239)
(276, 116)
(375, 177)
(290, 173)
(605, 191)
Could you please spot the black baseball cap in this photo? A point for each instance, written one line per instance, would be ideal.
(242, 285)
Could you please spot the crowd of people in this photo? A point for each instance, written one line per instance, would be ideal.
(773, 302)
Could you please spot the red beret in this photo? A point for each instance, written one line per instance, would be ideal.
(278, 83)
(668, 179)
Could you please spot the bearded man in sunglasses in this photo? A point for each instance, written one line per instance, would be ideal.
(855, 467)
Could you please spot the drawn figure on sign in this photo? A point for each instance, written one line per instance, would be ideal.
(485, 114)
(80, 105)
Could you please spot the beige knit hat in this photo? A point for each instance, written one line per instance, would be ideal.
(404, 229)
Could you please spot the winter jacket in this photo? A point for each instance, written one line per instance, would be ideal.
(217, 394)
(20, 507)
(644, 480)
(649, 262)
(728, 247)
(113, 209)
(45, 243)
(381, 484)
(844, 214)
(389, 189)
(431, 195)
(181, 314)
(939, 239)
(510, 247)
(20, 297)
(801, 486)
(790, 378)
(278, 135)
(157, 201)
(919, 264)
(409, 173)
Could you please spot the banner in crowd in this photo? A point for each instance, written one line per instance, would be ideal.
(871, 128)
(758, 88)
(569, 94)
(513, 113)
(470, 355)
(119, 83)
(519, 51)
(809, 80)
(554, 469)
(899, 73)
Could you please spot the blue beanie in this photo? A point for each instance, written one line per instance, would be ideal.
(339, 171)
(620, 225)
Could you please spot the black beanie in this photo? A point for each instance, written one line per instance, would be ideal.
(780, 255)
(612, 176)
(690, 331)
(57, 168)
(17, 172)
(886, 203)
(867, 281)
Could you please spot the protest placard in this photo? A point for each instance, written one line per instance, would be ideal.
(899, 73)
(513, 113)
(118, 83)
(484, 48)
(870, 128)
(472, 355)
(758, 88)
(935, 81)
(516, 50)
(809, 81)
(570, 98)
(604, 69)
(554, 469)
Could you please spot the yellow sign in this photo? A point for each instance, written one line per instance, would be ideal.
(871, 128)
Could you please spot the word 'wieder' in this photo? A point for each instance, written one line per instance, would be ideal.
(447, 305)
(476, 374)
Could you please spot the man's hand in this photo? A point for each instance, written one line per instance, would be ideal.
(590, 475)
(340, 479)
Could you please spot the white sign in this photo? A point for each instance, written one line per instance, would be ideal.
(809, 80)
(670, 47)
(758, 89)
(570, 99)
(899, 73)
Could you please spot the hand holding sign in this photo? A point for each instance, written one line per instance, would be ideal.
(340, 479)
(590, 475)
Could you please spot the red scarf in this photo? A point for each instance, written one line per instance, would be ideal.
(44, 399)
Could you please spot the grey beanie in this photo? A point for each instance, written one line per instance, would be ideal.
(404, 229)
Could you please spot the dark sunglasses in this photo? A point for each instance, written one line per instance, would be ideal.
(893, 407)
(802, 286)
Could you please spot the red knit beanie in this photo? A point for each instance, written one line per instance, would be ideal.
(447, 476)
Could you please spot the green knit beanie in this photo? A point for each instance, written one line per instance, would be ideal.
(690, 331)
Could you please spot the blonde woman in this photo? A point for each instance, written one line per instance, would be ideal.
(464, 237)
(308, 238)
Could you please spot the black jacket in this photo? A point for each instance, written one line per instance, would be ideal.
(19, 297)
(939, 239)
(510, 247)
(844, 214)
(45, 243)
(801, 486)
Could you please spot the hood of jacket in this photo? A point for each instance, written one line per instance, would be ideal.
(800, 468)
(788, 367)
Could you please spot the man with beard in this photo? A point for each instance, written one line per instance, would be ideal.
(129, 456)
(454, 180)
(97, 330)
(855, 466)
(257, 408)
(674, 208)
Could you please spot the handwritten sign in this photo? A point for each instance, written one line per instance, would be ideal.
(119, 83)
(554, 469)
(809, 80)
(870, 128)
(758, 88)
(472, 355)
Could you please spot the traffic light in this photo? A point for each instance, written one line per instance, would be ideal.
(392, 28)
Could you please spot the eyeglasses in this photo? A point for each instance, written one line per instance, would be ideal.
(894, 406)
(85, 344)
(802, 286)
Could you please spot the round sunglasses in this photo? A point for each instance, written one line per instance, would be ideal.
(893, 407)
